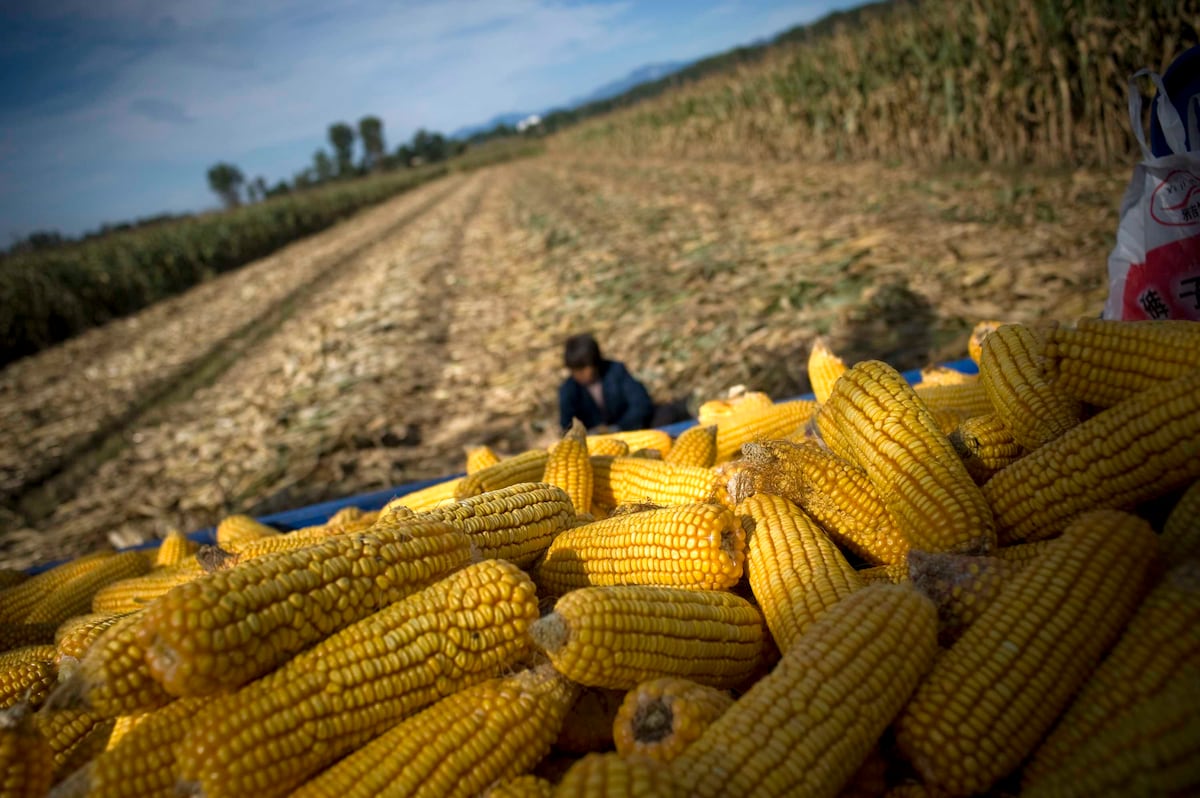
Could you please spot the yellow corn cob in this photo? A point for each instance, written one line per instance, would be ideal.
(1143, 448)
(806, 727)
(796, 572)
(661, 717)
(588, 726)
(1023, 552)
(141, 763)
(515, 523)
(245, 551)
(947, 420)
(527, 786)
(130, 595)
(75, 737)
(716, 410)
(870, 780)
(960, 586)
(75, 597)
(175, 549)
(112, 678)
(241, 528)
(1104, 362)
(944, 375)
(985, 445)
(1181, 533)
(692, 545)
(346, 515)
(11, 577)
(1152, 750)
(618, 636)
(74, 637)
(695, 446)
(570, 468)
(893, 574)
(125, 724)
(992, 696)
(528, 466)
(765, 423)
(1160, 643)
(426, 498)
(837, 494)
(824, 368)
(480, 457)
(636, 479)
(603, 446)
(1034, 410)
(966, 399)
(636, 439)
(17, 603)
(26, 674)
(26, 761)
(196, 642)
(923, 484)
(19, 635)
(353, 685)
(458, 746)
(981, 331)
(613, 776)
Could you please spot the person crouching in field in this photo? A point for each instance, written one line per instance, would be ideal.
(604, 396)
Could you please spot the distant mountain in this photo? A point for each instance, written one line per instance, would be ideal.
(637, 77)
(643, 74)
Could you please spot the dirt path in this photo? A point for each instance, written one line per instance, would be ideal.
(63, 403)
(445, 332)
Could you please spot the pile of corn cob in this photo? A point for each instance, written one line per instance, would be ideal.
(946, 590)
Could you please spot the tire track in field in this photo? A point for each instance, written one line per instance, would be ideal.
(257, 432)
(66, 410)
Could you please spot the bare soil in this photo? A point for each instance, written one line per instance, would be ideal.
(370, 355)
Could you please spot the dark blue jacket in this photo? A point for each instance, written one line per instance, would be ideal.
(627, 404)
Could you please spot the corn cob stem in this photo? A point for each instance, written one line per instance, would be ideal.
(960, 586)
(662, 717)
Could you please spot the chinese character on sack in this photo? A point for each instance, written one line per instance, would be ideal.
(1153, 304)
(1194, 293)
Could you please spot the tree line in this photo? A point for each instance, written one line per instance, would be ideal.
(339, 162)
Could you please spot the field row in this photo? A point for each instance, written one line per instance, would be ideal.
(446, 331)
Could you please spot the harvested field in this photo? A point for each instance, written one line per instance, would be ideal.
(371, 354)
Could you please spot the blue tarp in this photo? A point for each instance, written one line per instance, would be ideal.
(320, 513)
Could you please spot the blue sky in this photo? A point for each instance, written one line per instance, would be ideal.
(114, 109)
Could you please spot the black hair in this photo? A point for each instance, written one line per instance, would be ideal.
(581, 351)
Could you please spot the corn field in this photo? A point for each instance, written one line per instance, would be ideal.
(1002, 81)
